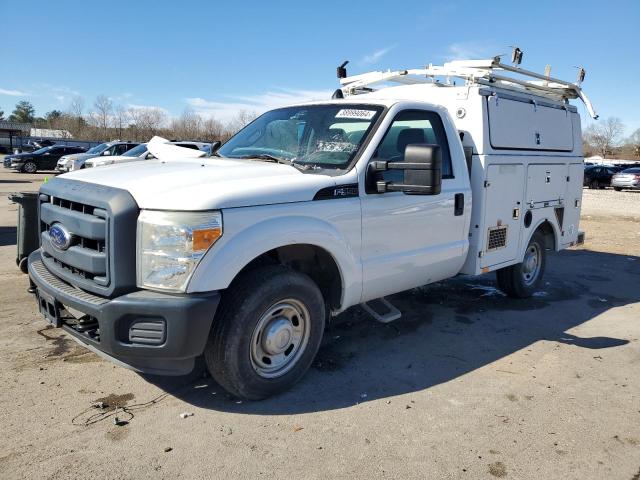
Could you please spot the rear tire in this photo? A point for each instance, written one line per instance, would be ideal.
(593, 185)
(266, 333)
(522, 280)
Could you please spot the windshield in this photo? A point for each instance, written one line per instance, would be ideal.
(98, 148)
(136, 151)
(327, 136)
(42, 150)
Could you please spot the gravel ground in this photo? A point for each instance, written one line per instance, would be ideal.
(468, 384)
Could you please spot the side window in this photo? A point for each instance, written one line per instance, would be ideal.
(413, 126)
(121, 148)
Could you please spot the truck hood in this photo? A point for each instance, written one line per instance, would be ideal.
(209, 183)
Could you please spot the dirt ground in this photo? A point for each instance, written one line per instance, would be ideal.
(468, 384)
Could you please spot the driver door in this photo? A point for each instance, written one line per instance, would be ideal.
(411, 240)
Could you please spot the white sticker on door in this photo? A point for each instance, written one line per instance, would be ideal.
(357, 114)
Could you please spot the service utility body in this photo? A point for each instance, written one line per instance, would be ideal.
(401, 179)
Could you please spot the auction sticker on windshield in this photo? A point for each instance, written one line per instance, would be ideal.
(355, 113)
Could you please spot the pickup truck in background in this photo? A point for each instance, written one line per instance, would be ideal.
(309, 210)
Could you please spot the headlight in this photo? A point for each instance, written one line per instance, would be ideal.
(170, 245)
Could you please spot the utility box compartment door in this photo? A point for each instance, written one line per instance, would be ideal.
(546, 185)
(525, 125)
(502, 215)
(572, 204)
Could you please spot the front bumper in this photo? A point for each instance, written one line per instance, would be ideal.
(149, 332)
(15, 165)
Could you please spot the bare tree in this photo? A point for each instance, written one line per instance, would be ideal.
(147, 121)
(633, 143)
(604, 136)
(120, 119)
(75, 121)
(103, 111)
(188, 126)
(241, 120)
(213, 130)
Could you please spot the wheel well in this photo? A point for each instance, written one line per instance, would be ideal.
(548, 233)
(311, 260)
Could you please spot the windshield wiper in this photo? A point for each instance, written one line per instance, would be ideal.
(274, 159)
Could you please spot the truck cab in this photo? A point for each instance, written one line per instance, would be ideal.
(309, 210)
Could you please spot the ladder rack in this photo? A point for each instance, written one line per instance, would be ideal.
(489, 72)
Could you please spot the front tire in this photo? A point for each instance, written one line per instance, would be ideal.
(29, 167)
(266, 333)
(617, 189)
(523, 279)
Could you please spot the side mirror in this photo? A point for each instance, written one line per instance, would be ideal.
(214, 146)
(106, 153)
(422, 168)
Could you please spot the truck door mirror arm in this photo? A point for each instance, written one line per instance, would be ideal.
(422, 168)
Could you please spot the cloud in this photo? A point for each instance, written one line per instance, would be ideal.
(61, 93)
(226, 110)
(13, 93)
(374, 57)
(469, 51)
(133, 106)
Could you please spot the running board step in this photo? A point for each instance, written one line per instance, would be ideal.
(382, 310)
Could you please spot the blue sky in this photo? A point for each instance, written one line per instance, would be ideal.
(220, 57)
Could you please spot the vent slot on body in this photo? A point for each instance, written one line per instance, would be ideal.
(496, 238)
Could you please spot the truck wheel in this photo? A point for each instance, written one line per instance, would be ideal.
(29, 167)
(617, 189)
(522, 280)
(267, 332)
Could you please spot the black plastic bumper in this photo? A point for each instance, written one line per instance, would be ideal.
(149, 332)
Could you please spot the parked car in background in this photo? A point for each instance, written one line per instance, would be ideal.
(629, 178)
(599, 176)
(45, 158)
(141, 153)
(33, 145)
(69, 163)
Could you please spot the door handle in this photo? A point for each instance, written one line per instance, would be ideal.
(459, 204)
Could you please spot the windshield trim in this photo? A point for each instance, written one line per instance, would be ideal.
(382, 111)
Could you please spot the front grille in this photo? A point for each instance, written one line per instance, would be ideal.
(497, 238)
(102, 221)
(86, 260)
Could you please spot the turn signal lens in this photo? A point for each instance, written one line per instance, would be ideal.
(203, 239)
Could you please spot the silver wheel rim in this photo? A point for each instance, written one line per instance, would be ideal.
(531, 264)
(280, 338)
(30, 167)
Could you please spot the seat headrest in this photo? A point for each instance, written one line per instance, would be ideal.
(409, 136)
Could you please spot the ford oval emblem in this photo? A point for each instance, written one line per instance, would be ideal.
(60, 237)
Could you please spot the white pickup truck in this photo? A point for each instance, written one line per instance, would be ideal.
(309, 210)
